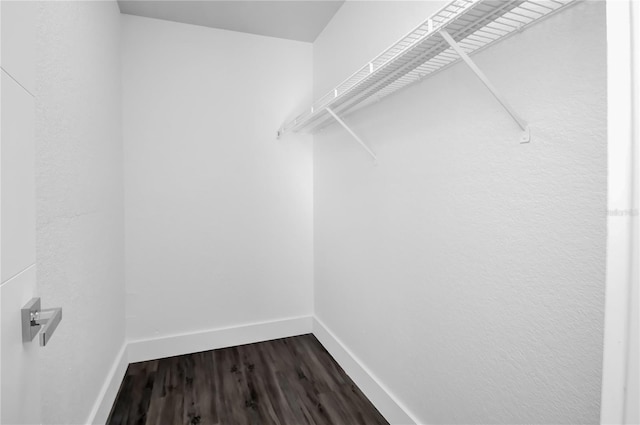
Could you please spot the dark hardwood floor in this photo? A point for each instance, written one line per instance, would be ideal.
(290, 381)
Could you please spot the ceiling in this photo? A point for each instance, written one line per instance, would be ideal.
(301, 20)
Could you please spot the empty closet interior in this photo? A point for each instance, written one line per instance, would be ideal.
(421, 185)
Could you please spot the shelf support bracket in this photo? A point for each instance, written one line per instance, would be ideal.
(355, 136)
(526, 136)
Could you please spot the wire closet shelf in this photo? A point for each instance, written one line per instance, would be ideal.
(473, 24)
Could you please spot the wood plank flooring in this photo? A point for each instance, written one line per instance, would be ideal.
(289, 381)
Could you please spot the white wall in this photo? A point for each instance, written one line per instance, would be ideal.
(0, 213)
(467, 270)
(218, 212)
(79, 186)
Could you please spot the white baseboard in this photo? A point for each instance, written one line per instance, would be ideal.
(102, 407)
(393, 411)
(195, 342)
(175, 345)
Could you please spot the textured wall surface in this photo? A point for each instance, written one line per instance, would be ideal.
(79, 187)
(467, 270)
(218, 212)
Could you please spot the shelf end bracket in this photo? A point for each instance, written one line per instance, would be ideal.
(526, 135)
(354, 135)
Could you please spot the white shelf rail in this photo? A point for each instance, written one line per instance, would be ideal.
(461, 28)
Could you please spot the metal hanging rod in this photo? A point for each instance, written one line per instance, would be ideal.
(472, 25)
